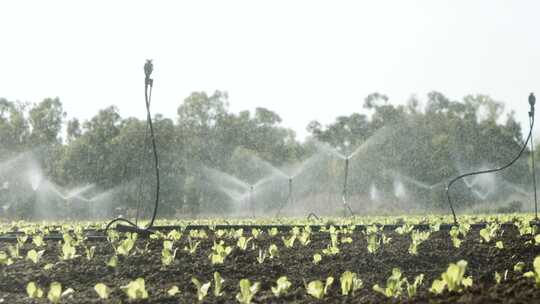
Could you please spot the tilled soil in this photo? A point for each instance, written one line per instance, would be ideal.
(296, 263)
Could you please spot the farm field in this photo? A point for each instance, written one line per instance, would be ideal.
(337, 263)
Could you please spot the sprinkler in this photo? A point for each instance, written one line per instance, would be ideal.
(148, 84)
(344, 195)
(289, 196)
(532, 101)
(251, 207)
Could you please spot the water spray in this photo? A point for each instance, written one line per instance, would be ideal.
(148, 84)
(532, 101)
(344, 195)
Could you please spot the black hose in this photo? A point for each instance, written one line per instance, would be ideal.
(529, 137)
(148, 84)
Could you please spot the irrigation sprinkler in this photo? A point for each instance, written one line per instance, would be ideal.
(344, 195)
(148, 84)
(289, 198)
(532, 101)
(250, 198)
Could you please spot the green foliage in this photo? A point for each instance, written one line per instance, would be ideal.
(243, 242)
(5, 259)
(102, 290)
(34, 291)
(273, 251)
(282, 287)
(319, 289)
(202, 289)
(55, 293)
(136, 290)
(453, 279)
(394, 285)
(34, 256)
(219, 253)
(173, 291)
(417, 237)
(247, 291)
(127, 244)
(218, 283)
(535, 273)
(350, 283)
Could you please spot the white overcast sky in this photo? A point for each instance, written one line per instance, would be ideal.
(305, 60)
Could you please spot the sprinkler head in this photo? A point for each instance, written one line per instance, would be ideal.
(532, 99)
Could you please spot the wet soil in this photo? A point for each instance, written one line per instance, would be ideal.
(434, 255)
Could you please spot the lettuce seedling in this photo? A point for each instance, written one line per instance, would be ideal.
(394, 285)
(14, 251)
(174, 235)
(33, 290)
(192, 246)
(350, 283)
(4, 259)
(68, 252)
(135, 290)
(535, 274)
(202, 289)
(262, 256)
(317, 258)
(126, 245)
(247, 291)
(102, 290)
(89, 252)
(218, 284)
(256, 233)
(243, 242)
(453, 279)
(273, 251)
(34, 256)
(317, 289)
(454, 235)
(113, 261)
(519, 267)
(418, 238)
(273, 231)
(282, 287)
(55, 292)
(21, 239)
(413, 288)
(305, 238)
(38, 240)
(173, 291)
(219, 253)
(289, 242)
(374, 243)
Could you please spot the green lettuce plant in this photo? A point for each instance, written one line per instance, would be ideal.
(34, 256)
(282, 287)
(247, 291)
(136, 290)
(33, 291)
(218, 284)
(453, 279)
(394, 285)
(202, 289)
(535, 273)
(102, 290)
(350, 283)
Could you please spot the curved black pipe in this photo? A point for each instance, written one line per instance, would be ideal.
(148, 84)
(529, 137)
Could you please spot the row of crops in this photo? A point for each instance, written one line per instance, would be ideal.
(259, 265)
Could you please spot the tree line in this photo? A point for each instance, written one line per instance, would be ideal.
(414, 143)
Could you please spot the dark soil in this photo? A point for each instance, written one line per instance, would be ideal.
(296, 263)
